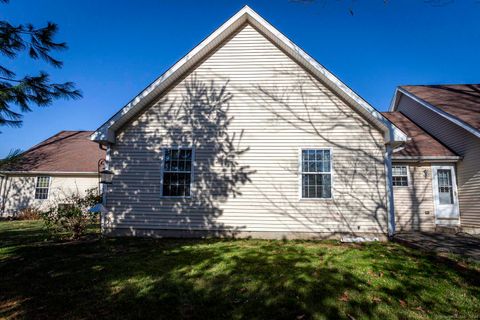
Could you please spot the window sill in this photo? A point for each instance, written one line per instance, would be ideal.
(176, 197)
(316, 199)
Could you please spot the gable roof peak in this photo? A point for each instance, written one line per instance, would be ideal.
(106, 133)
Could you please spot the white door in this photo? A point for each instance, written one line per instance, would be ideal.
(445, 192)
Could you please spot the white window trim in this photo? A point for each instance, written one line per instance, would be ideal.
(48, 187)
(408, 175)
(300, 173)
(163, 166)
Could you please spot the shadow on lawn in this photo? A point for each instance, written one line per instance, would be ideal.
(145, 278)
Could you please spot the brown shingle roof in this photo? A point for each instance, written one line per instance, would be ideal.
(67, 151)
(459, 100)
(421, 144)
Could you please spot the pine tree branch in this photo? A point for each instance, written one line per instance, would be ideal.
(9, 79)
(22, 93)
(12, 158)
(37, 90)
(39, 44)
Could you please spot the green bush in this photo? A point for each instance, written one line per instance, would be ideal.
(71, 214)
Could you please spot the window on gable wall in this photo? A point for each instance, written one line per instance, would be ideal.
(177, 172)
(316, 171)
(400, 176)
(41, 188)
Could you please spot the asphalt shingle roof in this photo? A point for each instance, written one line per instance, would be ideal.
(421, 143)
(459, 100)
(67, 151)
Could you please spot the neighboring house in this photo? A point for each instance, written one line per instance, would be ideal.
(63, 164)
(417, 166)
(451, 114)
(247, 135)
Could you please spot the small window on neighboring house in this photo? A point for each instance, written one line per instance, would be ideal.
(177, 172)
(316, 171)
(400, 176)
(41, 188)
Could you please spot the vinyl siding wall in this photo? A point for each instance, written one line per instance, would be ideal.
(463, 143)
(414, 205)
(18, 192)
(247, 109)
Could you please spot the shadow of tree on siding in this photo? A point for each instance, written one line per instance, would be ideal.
(413, 200)
(418, 195)
(16, 191)
(359, 203)
(200, 119)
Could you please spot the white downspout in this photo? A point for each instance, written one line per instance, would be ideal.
(104, 193)
(389, 187)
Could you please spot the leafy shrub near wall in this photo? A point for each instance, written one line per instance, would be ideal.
(71, 214)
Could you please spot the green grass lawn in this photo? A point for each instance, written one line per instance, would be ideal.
(43, 276)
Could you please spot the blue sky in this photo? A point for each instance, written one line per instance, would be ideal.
(116, 48)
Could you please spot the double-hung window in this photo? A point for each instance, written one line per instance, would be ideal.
(177, 172)
(41, 187)
(400, 176)
(316, 171)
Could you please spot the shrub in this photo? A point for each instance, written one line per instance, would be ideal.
(29, 214)
(71, 214)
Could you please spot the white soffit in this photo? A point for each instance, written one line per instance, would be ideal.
(106, 133)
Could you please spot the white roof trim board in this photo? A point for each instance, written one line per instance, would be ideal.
(427, 158)
(446, 115)
(106, 133)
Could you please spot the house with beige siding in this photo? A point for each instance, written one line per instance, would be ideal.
(249, 136)
(419, 170)
(450, 114)
(42, 176)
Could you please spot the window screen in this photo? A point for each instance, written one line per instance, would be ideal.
(316, 173)
(400, 176)
(177, 172)
(41, 188)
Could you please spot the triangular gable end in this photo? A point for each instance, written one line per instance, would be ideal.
(106, 133)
